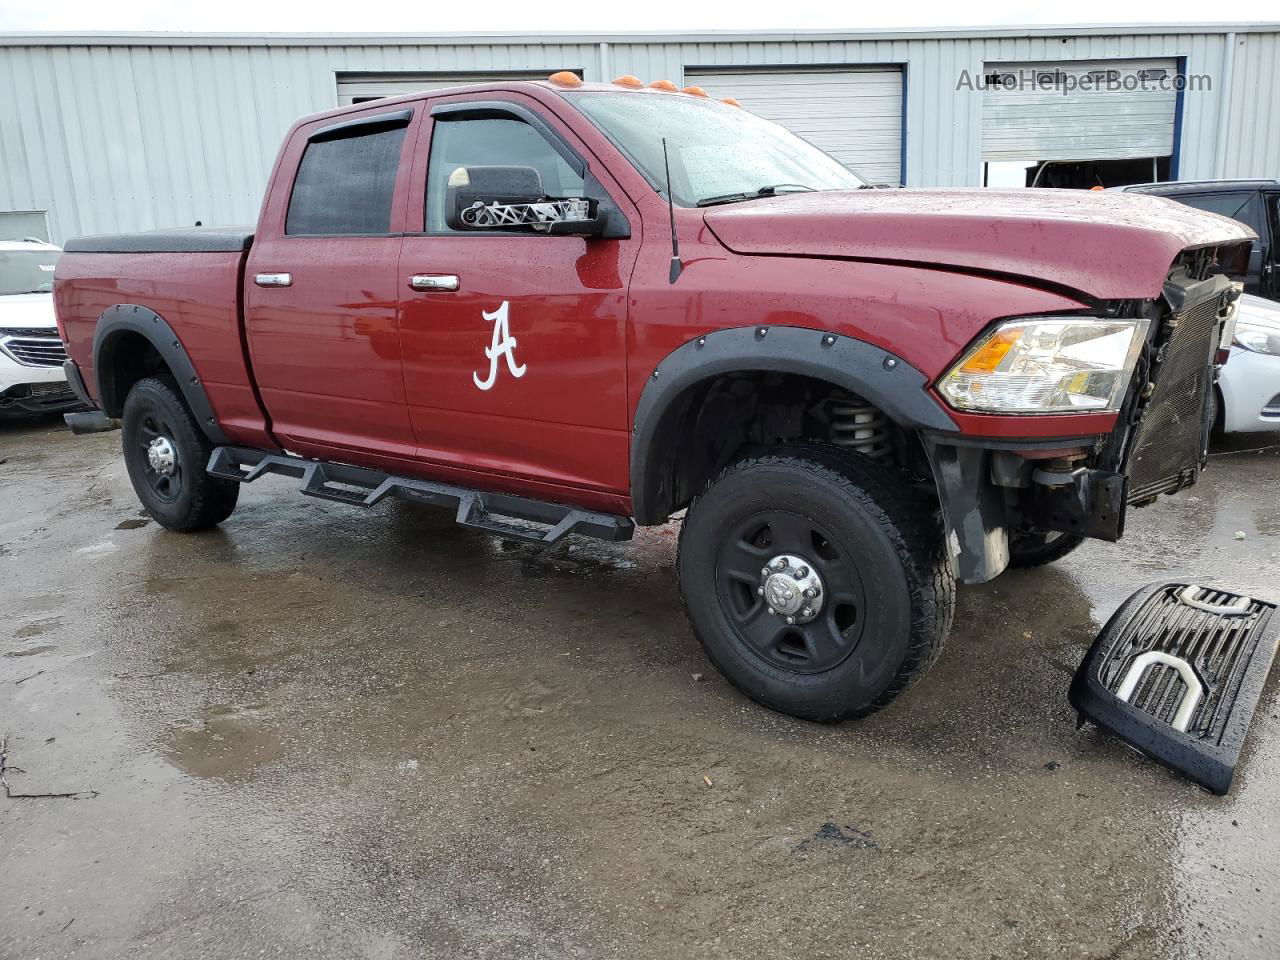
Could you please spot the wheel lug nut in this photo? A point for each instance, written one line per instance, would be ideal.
(791, 620)
(765, 572)
(806, 612)
(810, 593)
(802, 573)
(773, 612)
(779, 564)
(760, 590)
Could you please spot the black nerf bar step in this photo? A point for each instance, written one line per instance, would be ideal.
(1177, 673)
(362, 487)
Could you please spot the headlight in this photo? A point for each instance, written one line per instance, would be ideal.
(1259, 339)
(1047, 365)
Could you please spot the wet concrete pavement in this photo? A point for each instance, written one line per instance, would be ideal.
(324, 732)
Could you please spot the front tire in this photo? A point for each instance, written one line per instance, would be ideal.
(166, 453)
(817, 582)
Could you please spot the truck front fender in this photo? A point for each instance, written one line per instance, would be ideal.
(115, 330)
(888, 381)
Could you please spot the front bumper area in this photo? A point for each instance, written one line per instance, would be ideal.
(37, 399)
(991, 489)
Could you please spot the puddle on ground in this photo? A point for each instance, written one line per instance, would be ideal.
(228, 742)
(36, 628)
(31, 651)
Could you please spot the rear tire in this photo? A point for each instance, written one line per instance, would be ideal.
(166, 453)
(1035, 549)
(866, 572)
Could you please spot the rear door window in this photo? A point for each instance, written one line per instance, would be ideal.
(345, 183)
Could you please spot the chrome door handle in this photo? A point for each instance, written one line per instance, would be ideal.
(434, 281)
(274, 279)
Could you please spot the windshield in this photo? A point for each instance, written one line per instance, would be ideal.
(716, 150)
(27, 271)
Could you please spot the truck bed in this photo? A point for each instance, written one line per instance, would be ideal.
(192, 279)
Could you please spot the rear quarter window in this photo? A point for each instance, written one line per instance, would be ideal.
(1243, 206)
(345, 185)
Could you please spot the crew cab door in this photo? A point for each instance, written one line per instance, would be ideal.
(321, 289)
(514, 344)
(1271, 268)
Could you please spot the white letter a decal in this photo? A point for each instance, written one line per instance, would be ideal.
(504, 345)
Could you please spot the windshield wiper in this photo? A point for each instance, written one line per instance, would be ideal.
(769, 191)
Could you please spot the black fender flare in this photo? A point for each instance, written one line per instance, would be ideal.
(886, 380)
(131, 318)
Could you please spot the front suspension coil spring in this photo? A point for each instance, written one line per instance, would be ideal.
(860, 426)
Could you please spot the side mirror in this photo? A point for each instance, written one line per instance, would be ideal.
(513, 199)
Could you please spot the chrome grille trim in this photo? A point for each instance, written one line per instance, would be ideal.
(30, 351)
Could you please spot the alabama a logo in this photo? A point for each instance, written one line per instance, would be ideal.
(504, 345)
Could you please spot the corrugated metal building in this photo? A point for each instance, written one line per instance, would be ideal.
(106, 132)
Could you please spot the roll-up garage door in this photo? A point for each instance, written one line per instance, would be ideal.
(854, 115)
(1079, 110)
(360, 87)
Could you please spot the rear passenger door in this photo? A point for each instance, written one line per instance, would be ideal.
(1271, 267)
(321, 289)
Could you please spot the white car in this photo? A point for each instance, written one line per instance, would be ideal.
(31, 354)
(1250, 381)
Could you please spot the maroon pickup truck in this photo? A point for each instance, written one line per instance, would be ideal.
(565, 308)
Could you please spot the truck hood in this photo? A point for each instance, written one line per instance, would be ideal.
(29, 310)
(1105, 245)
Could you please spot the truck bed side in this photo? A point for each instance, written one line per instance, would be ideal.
(192, 280)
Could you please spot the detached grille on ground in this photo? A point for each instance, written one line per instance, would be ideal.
(44, 351)
(1177, 672)
(1170, 443)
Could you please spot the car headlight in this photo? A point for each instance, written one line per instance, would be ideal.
(1259, 339)
(1047, 365)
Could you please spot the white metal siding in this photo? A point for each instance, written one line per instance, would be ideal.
(854, 115)
(1088, 121)
(125, 133)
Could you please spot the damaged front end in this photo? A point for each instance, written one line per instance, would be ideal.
(994, 489)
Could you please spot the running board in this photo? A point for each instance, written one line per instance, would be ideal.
(1177, 673)
(361, 487)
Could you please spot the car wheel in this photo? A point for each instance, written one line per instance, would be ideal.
(817, 582)
(1033, 548)
(166, 454)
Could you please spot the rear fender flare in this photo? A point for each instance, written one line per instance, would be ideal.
(131, 318)
(886, 380)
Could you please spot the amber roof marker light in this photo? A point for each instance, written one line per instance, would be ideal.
(730, 101)
(694, 91)
(627, 80)
(664, 85)
(565, 78)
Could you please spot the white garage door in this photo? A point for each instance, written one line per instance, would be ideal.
(359, 87)
(854, 115)
(1079, 110)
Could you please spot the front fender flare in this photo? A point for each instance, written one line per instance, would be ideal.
(132, 318)
(888, 381)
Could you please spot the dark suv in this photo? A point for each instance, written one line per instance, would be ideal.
(1255, 203)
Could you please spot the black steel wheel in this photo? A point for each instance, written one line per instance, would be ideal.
(816, 581)
(166, 454)
(1035, 548)
(793, 594)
